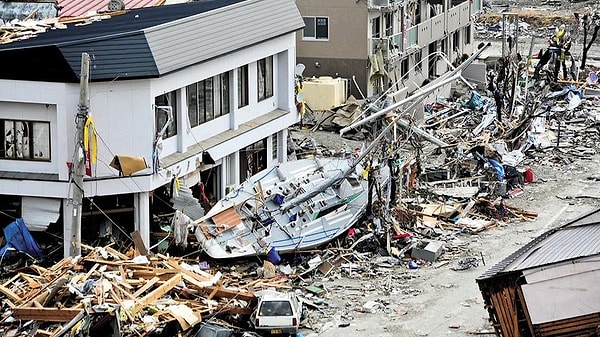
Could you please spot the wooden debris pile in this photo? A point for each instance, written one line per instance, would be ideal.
(27, 28)
(144, 293)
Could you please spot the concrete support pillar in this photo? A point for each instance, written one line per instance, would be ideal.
(224, 178)
(234, 167)
(69, 235)
(282, 143)
(271, 157)
(141, 206)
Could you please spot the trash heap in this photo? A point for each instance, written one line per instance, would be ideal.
(108, 293)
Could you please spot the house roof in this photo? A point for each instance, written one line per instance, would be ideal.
(575, 239)
(149, 42)
(81, 7)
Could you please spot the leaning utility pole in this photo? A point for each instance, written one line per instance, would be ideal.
(79, 156)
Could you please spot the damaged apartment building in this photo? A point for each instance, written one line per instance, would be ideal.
(391, 47)
(214, 78)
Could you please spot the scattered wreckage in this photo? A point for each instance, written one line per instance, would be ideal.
(458, 183)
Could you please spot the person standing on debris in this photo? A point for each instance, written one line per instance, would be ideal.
(562, 41)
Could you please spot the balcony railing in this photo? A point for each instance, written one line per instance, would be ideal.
(383, 3)
(391, 46)
(412, 36)
(475, 6)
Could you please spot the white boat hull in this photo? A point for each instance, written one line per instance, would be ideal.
(262, 213)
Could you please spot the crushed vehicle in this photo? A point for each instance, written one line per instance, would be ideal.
(277, 313)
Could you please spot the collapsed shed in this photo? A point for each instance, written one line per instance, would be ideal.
(549, 287)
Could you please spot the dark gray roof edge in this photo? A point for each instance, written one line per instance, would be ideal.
(498, 268)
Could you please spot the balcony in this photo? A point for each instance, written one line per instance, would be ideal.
(475, 6)
(391, 46)
(412, 36)
(380, 4)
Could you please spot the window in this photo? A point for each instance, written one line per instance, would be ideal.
(274, 144)
(404, 68)
(388, 19)
(468, 35)
(315, 28)
(419, 60)
(242, 86)
(168, 99)
(26, 140)
(224, 98)
(265, 78)
(375, 27)
(208, 99)
(456, 40)
(253, 159)
(275, 308)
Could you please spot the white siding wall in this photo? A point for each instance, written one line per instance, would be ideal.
(124, 118)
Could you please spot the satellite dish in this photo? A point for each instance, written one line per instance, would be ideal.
(300, 97)
(300, 69)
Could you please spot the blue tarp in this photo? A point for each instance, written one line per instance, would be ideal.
(476, 102)
(18, 237)
(498, 167)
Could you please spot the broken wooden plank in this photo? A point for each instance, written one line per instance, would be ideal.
(45, 314)
(159, 292)
(16, 298)
(146, 286)
(229, 293)
(139, 243)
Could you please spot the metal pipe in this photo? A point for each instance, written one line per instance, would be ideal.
(446, 78)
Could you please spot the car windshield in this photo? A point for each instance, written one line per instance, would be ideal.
(275, 308)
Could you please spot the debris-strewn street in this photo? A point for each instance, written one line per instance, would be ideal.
(432, 195)
(385, 298)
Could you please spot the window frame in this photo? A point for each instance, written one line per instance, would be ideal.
(315, 36)
(467, 36)
(29, 127)
(242, 86)
(209, 99)
(264, 78)
(167, 99)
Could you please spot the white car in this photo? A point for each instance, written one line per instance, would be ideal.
(277, 313)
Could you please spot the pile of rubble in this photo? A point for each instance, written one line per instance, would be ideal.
(29, 27)
(108, 293)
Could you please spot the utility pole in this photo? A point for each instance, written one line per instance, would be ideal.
(79, 157)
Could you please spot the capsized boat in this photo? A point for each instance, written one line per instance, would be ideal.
(294, 205)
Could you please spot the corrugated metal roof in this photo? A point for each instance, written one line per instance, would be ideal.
(577, 238)
(83, 7)
(149, 42)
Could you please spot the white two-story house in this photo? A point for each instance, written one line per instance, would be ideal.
(223, 69)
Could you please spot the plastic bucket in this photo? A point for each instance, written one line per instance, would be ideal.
(273, 256)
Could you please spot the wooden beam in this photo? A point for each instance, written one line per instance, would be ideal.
(158, 292)
(139, 243)
(226, 293)
(45, 314)
(146, 286)
(10, 294)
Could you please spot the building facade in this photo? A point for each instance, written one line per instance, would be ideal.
(216, 77)
(383, 44)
